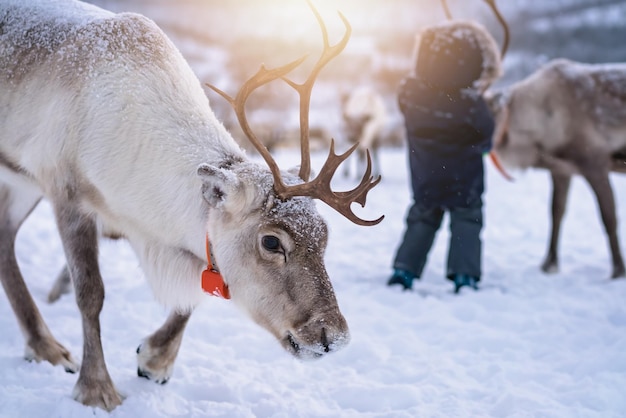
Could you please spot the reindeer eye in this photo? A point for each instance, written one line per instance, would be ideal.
(271, 243)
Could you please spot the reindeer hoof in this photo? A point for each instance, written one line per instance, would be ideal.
(143, 374)
(100, 393)
(618, 273)
(550, 267)
(147, 370)
(48, 349)
(148, 375)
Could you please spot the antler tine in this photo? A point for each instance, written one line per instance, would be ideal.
(446, 9)
(505, 27)
(304, 89)
(340, 201)
(359, 193)
(319, 187)
(238, 103)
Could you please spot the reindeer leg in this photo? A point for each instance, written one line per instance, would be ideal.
(347, 169)
(560, 190)
(601, 186)
(361, 161)
(376, 171)
(62, 285)
(16, 203)
(157, 353)
(80, 241)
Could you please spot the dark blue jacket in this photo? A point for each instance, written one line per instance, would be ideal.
(448, 132)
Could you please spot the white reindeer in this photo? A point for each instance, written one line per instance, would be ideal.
(365, 118)
(101, 115)
(569, 118)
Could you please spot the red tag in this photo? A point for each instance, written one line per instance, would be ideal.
(213, 283)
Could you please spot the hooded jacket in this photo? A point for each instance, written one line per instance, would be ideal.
(448, 124)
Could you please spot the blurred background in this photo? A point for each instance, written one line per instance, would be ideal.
(226, 41)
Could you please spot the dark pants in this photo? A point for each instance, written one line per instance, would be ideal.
(465, 247)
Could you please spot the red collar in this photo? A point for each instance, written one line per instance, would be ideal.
(212, 280)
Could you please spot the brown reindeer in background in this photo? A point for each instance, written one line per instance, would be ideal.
(568, 118)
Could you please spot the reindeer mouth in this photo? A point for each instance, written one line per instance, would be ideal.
(315, 339)
(302, 352)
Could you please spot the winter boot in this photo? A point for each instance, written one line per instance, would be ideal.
(403, 278)
(461, 280)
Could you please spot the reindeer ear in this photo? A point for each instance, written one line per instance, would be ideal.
(217, 184)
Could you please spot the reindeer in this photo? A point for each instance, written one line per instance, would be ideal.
(102, 116)
(364, 118)
(568, 118)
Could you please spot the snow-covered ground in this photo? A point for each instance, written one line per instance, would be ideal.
(525, 345)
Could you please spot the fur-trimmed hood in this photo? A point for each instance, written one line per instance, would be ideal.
(474, 35)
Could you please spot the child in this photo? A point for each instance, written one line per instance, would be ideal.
(449, 128)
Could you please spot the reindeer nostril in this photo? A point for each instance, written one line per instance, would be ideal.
(293, 343)
(325, 341)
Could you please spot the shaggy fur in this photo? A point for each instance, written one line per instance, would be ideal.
(568, 117)
(101, 115)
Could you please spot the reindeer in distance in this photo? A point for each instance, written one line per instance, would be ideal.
(365, 119)
(103, 117)
(568, 118)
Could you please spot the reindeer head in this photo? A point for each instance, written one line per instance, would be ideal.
(516, 142)
(271, 253)
(269, 238)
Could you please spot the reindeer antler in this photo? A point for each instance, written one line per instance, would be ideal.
(238, 103)
(446, 9)
(505, 26)
(304, 89)
(319, 187)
